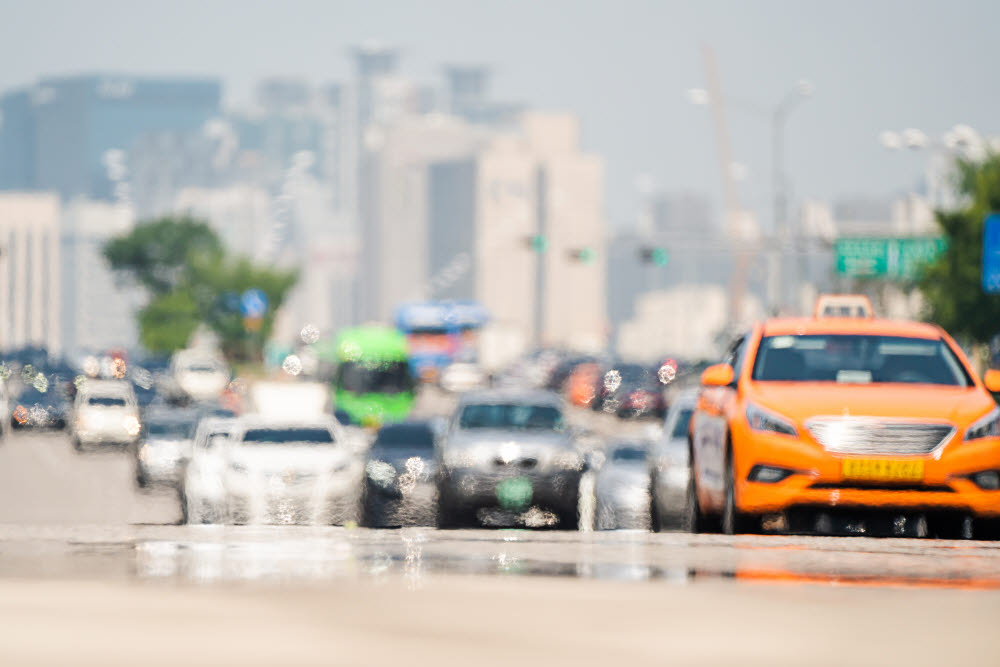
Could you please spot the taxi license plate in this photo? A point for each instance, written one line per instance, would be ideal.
(882, 470)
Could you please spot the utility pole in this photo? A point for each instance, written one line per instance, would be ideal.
(734, 211)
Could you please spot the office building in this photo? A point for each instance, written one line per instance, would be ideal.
(29, 271)
(62, 129)
(97, 309)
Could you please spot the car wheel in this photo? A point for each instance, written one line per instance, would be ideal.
(449, 515)
(77, 444)
(733, 521)
(694, 521)
(987, 529)
(655, 521)
(185, 515)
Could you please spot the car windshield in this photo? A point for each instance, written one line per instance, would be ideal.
(629, 454)
(512, 416)
(386, 378)
(168, 429)
(204, 368)
(858, 359)
(106, 401)
(682, 423)
(213, 439)
(35, 396)
(297, 435)
(405, 437)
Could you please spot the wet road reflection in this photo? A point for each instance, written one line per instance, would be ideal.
(213, 554)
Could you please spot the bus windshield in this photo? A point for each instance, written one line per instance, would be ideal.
(385, 378)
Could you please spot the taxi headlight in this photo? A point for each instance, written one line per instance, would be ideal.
(986, 427)
(768, 422)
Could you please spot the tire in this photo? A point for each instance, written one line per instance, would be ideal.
(77, 445)
(185, 515)
(449, 514)
(733, 521)
(569, 518)
(693, 521)
(987, 529)
(655, 522)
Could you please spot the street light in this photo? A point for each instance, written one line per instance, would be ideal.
(778, 117)
(960, 139)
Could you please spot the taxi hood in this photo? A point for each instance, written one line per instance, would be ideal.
(800, 401)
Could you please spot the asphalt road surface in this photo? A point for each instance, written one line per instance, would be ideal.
(93, 572)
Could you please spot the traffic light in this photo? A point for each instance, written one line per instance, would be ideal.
(538, 243)
(586, 255)
(656, 255)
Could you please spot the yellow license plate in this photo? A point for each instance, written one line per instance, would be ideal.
(882, 470)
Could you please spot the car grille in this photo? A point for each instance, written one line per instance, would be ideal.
(523, 463)
(847, 435)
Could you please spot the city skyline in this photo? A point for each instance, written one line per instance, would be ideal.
(914, 65)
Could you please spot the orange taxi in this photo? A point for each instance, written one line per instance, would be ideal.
(853, 425)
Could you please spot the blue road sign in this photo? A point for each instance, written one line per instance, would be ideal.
(991, 254)
(253, 303)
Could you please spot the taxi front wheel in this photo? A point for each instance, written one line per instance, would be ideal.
(733, 521)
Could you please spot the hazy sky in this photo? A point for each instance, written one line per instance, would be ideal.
(623, 66)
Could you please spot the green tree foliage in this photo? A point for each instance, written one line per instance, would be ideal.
(158, 254)
(191, 280)
(951, 285)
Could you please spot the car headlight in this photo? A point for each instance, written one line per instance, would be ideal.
(238, 467)
(567, 460)
(131, 424)
(986, 427)
(458, 458)
(768, 422)
(381, 473)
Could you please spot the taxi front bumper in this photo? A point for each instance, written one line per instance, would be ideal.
(817, 477)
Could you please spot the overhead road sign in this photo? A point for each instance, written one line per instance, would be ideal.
(991, 254)
(890, 258)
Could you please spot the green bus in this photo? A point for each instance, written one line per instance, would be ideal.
(372, 383)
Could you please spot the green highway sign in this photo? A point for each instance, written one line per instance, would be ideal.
(894, 258)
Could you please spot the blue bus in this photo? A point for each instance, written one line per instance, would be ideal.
(440, 332)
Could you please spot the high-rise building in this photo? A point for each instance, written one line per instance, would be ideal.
(29, 270)
(97, 312)
(511, 218)
(63, 128)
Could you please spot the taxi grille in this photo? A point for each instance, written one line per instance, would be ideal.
(846, 435)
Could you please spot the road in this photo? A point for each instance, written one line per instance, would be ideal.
(90, 561)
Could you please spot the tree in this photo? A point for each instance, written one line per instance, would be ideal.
(191, 280)
(951, 284)
(158, 254)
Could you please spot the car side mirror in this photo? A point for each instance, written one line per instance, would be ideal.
(991, 379)
(719, 375)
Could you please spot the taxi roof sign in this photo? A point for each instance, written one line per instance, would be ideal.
(844, 305)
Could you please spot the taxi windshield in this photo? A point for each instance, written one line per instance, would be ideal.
(854, 359)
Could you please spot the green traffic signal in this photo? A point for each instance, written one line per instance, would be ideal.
(659, 257)
(654, 255)
(539, 243)
(586, 255)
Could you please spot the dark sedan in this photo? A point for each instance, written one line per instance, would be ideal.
(400, 476)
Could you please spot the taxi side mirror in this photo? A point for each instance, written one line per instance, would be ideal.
(992, 380)
(719, 375)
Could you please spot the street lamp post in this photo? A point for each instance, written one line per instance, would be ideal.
(779, 184)
(778, 118)
(959, 140)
